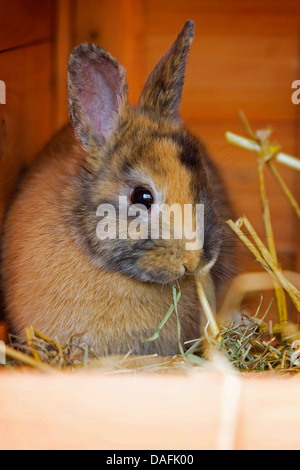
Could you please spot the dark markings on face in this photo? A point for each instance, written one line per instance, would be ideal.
(191, 154)
(124, 255)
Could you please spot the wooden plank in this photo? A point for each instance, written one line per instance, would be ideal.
(25, 21)
(26, 121)
(240, 58)
(3, 331)
(63, 46)
(118, 26)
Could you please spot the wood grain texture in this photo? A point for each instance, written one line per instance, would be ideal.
(241, 57)
(3, 331)
(116, 25)
(25, 21)
(26, 121)
(63, 44)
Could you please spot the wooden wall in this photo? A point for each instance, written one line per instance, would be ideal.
(26, 51)
(245, 55)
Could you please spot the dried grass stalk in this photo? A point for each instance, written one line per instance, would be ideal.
(261, 253)
(211, 321)
(267, 151)
(266, 215)
(254, 146)
(284, 188)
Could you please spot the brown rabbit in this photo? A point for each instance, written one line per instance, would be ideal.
(57, 274)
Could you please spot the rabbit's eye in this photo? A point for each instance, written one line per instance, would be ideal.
(143, 196)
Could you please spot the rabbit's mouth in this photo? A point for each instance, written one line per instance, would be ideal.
(168, 273)
(169, 277)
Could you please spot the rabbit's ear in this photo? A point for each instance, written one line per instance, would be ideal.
(163, 89)
(97, 94)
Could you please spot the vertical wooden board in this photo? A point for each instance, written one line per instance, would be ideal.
(239, 58)
(25, 21)
(26, 120)
(118, 26)
(63, 44)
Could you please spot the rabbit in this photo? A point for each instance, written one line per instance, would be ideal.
(56, 273)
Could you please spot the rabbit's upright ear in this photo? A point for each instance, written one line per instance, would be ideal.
(97, 95)
(163, 89)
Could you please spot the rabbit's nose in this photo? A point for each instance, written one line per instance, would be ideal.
(191, 260)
